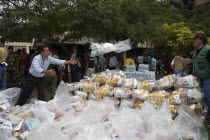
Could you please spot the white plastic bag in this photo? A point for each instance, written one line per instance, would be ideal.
(44, 131)
(188, 125)
(11, 94)
(186, 82)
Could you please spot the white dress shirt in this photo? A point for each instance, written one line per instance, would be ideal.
(113, 61)
(38, 65)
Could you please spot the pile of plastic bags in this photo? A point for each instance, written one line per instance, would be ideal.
(108, 106)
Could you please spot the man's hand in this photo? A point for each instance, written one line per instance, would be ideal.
(71, 62)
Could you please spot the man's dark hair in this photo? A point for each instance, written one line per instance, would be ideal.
(41, 48)
(201, 36)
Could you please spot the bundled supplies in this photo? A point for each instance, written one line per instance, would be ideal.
(127, 83)
(103, 91)
(186, 82)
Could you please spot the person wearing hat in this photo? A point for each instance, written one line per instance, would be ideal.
(178, 65)
(201, 65)
(37, 72)
(12, 67)
(3, 57)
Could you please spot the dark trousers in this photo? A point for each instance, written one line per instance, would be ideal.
(29, 85)
(205, 84)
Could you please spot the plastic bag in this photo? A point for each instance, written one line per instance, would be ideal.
(188, 125)
(147, 85)
(127, 83)
(139, 94)
(194, 94)
(166, 82)
(103, 91)
(81, 94)
(186, 82)
(99, 49)
(90, 87)
(44, 131)
(122, 92)
(75, 86)
(10, 94)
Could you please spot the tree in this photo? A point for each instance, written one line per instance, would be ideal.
(103, 20)
(172, 39)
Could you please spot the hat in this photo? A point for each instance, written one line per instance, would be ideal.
(151, 54)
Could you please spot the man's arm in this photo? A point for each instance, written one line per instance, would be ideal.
(61, 62)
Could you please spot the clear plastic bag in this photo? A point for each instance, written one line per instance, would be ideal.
(44, 131)
(128, 83)
(166, 82)
(186, 82)
(139, 94)
(147, 85)
(122, 93)
(10, 94)
(103, 91)
(188, 125)
(99, 49)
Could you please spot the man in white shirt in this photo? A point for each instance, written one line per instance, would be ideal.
(152, 63)
(113, 62)
(37, 72)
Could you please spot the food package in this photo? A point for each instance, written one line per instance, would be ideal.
(147, 85)
(158, 97)
(103, 91)
(113, 80)
(186, 82)
(127, 103)
(166, 82)
(138, 104)
(122, 93)
(194, 94)
(139, 94)
(100, 79)
(127, 83)
(81, 94)
(75, 86)
(90, 87)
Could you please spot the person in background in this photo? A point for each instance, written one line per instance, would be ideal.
(201, 66)
(83, 63)
(128, 61)
(145, 59)
(139, 60)
(12, 67)
(178, 65)
(90, 66)
(152, 62)
(112, 62)
(37, 72)
(96, 64)
(159, 63)
(20, 73)
(102, 63)
(74, 69)
(27, 58)
(3, 57)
